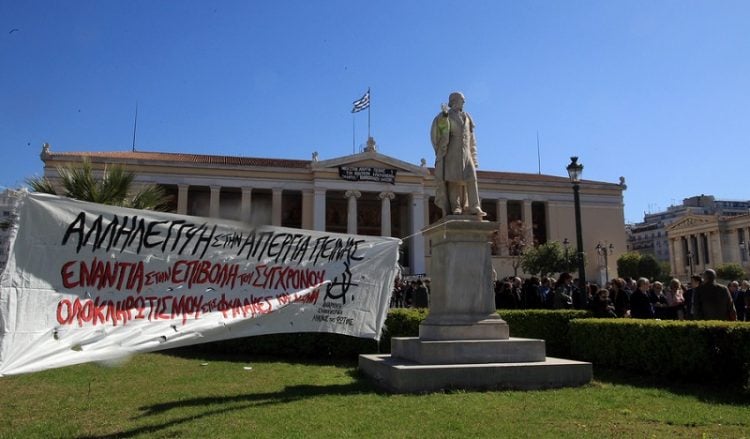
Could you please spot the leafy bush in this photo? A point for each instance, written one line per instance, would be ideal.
(545, 259)
(549, 325)
(696, 351)
(402, 322)
(627, 264)
(731, 271)
(648, 267)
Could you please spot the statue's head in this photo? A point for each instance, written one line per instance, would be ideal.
(456, 100)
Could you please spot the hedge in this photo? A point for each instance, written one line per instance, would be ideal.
(688, 350)
(696, 351)
(549, 325)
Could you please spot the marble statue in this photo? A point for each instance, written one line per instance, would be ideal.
(452, 135)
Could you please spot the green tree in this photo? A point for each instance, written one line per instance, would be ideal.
(114, 187)
(666, 271)
(545, 259)
(730, 272)
(648, 267)
(627, 264)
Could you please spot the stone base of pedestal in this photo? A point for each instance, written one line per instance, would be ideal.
(460, 329)
(512, 350)
(399, 375)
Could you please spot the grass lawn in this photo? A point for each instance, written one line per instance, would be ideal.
(174, 395)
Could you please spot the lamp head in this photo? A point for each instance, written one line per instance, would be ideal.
(575, 170)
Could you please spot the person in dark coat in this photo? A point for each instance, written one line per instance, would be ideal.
(421, 299)
(601, 306)
(620, 297)
(738, 298)
(640, 305)
(695, 281)
(712, 301)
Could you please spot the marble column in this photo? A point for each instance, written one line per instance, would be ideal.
(182, 198)
(416, 242)
(276, 206)
(319, 209)
(714, 244)
(385, 212)
(501, 209)
(246, 204)
(528, 223)
(214, 211)
(351, 211)
(678, 259)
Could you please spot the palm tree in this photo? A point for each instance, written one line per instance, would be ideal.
(113, 188)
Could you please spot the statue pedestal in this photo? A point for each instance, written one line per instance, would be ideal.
(462, 300)
(463, 343)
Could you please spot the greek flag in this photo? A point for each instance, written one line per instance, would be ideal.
(362, 103)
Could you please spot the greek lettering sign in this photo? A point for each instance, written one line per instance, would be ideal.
(87, 282)
(362, 173)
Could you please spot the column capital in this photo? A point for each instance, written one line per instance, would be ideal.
(352, 193)
(215, 187)
(386, 195)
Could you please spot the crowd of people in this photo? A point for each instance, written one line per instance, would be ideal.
(702, 299)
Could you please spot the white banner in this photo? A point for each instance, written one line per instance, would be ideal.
(88, 282)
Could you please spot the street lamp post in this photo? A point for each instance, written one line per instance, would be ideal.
(604, 251)
(575, 170)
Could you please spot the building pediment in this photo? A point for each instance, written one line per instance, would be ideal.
(369, 159)
(691, 221)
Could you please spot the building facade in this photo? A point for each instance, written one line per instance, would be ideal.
(650, 236)
(698, 242)
(370, 193)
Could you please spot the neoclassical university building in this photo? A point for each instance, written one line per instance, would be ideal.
(371, 193)
(698, 242)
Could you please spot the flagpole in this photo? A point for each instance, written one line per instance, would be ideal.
(368, 112)
(135, 124)
(353, 136)
(538, 153)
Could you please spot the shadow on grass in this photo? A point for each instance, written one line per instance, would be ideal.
(710, 390)
(213, 405)
(191, 353)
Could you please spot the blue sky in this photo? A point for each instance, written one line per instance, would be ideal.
(655, 91)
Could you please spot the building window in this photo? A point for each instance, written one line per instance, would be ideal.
(490, 207)
(694, 250)
(539, 222)
(515, 211)
(704, 240)
(291, 209)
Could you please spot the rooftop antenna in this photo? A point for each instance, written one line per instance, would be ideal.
(135, 124)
